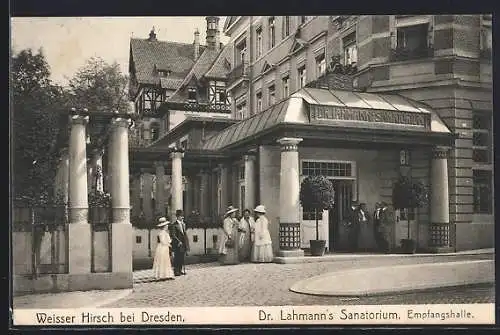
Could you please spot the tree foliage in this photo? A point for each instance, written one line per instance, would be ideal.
(316, 193)
(36, 104)
(409, 194)
(99, 86)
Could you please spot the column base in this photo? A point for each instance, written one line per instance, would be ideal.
(121, 247)
(80, 244)
(290, 253)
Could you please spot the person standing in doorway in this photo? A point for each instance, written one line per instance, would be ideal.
(162, 264)
(387, 226)
(262, 250)
(247, 224)
(180, 242)
(378, 229)
(228, 247)
(357, 218)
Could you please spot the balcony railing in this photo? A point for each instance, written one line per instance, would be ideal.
(238, 72)
(401, 54)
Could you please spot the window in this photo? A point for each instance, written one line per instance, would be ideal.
(481, 137)
(413, 37)
(259, 41)
(350, 49)
(241, 171)
(184, 144)
(272, 33)
(155, 131)
(482, 193)
(241, 111)
(320, 65)
(327, 169)
(303, 19)
(259, 102)
(302, 76)
(191, 94)
(286, 86)
(272, 95)
(138, 239)
(195, 238)
(241, 50)
(286, 26)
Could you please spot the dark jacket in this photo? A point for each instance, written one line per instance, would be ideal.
(180, 240)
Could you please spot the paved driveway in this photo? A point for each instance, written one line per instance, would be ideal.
(268, 285)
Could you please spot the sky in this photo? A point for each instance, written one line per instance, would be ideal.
(69, 42)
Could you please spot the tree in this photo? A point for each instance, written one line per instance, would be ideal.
(36, 104)
(317, 193)
(99, 86)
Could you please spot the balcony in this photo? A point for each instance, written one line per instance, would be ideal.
(402, 54)
(240, 72)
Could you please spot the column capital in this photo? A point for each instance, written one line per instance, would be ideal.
(440, 152)
(121, 122)
(249, 157)
(79, 119)
(289, 143)
(176, 154)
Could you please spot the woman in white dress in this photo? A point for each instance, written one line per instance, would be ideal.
(262, 251)
(245, 229)
(162, 264)
(228, 248)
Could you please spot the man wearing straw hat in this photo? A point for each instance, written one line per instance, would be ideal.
(180, 242)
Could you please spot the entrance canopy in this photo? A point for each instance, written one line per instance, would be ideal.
(335, 112)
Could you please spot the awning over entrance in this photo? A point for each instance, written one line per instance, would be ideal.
(320, 108)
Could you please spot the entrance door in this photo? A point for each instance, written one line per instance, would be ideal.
(343, 198)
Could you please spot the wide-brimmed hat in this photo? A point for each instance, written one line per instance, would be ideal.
(162, 222)
(230, 210)
(260, 209)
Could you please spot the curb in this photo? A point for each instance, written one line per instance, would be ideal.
(347, 257)
(448, 279)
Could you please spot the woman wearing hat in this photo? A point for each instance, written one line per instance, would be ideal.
(162, 264)
(228, 247)
(262, 251)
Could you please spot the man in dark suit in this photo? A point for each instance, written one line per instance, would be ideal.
(356, 218)
(180, 242)
(384, 225)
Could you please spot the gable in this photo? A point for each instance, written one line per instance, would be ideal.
(298, 44)
(267, 66)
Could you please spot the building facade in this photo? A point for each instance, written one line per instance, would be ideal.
(360, 99)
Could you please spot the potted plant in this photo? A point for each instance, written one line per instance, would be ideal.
(99, 206)
(407, 194)
(317, 193)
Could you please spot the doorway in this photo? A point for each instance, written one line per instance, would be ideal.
(343, 198)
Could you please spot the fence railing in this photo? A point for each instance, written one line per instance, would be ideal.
(40, 240)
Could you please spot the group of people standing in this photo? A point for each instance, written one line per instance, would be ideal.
(241, 240)
(383, 224)
(245, 239)
(173, 239)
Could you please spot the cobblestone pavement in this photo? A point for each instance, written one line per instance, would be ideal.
(268, 285)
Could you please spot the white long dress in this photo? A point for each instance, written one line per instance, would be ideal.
(162, 266)
(262, 250)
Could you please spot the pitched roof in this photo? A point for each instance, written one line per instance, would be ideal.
(198, 70)
(171, 83)
(221, 67)
(147, 55)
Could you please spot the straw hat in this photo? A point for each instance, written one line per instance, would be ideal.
(260, 209)
(230, 210)
(162, 222)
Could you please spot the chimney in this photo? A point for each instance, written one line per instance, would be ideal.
(196, 44)
(212, 30)
(152, 35)
(217, 40)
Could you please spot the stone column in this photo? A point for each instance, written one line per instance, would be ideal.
(439, 228)
(160, 188)
(224, 189)
(204, 194)
(79, 229)
(121, 229)
(249, 181)
(176, 189)
(289, 229)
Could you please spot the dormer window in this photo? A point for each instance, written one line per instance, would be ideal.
(192, 96)
(164, 73)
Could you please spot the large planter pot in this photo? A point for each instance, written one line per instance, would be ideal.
(317, 247)
(408, 246)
